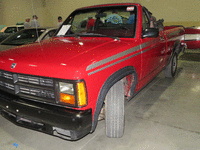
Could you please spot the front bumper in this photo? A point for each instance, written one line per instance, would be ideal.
(58, 121)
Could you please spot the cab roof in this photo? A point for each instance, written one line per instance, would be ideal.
(107, 5)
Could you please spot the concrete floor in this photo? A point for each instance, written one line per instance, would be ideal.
(165, 115)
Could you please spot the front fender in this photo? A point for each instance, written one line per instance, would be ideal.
(118, 75)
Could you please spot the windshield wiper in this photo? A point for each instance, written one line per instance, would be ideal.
(99, 35)
(68, 35)
(113, 37)
(78, 35)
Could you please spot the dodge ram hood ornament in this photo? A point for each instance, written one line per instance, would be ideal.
(13, 65)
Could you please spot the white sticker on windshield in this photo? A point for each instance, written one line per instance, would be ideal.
(63, 30)
(130, 8)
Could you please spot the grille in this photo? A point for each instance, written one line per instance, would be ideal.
(27, 86)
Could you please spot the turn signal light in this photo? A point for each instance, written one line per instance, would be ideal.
(81, 91)
(67, 98)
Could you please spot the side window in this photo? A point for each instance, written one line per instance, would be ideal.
(49, 35)
(145, 21)
(11, 30)
(20, 28)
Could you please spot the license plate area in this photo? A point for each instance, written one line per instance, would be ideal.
(23, 121)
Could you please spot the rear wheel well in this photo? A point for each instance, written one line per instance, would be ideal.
(112, 79)
(177, 47)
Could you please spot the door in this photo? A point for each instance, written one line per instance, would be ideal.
(153, 50)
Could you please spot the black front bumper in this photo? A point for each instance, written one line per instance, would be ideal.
(58, 121)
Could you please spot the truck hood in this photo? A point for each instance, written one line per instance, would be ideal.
(57, 57)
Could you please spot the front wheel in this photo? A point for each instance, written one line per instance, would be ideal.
(114, 109)
(171, 68)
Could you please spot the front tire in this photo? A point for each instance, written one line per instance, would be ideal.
(114, 108)
(171, 68)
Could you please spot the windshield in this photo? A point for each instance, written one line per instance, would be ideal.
(117, 21)
(23, 37)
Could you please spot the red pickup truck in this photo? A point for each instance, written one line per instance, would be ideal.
(101, 55)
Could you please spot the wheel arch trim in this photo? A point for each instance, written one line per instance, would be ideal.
(110, 81)
(176, 47)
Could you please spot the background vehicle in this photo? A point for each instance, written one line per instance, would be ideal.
(192, 37)
(60, 86)
(2, 28)
(9, 30)
(27, 36)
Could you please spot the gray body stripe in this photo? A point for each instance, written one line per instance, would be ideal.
(146, 50)
(104, 61)
(113, 63)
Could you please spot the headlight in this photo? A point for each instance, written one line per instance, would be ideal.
(66, 88)
(67, 93)
(73, 94)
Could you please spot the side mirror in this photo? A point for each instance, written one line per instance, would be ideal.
(150, 32)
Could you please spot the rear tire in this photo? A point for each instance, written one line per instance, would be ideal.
(171, 68)
(114, 108)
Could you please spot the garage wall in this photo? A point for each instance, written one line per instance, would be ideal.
(64, 7)
(174, 12)
(1, 12)
(13, 11)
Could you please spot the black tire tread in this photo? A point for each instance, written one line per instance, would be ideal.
(115, 111)
(168, 70)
